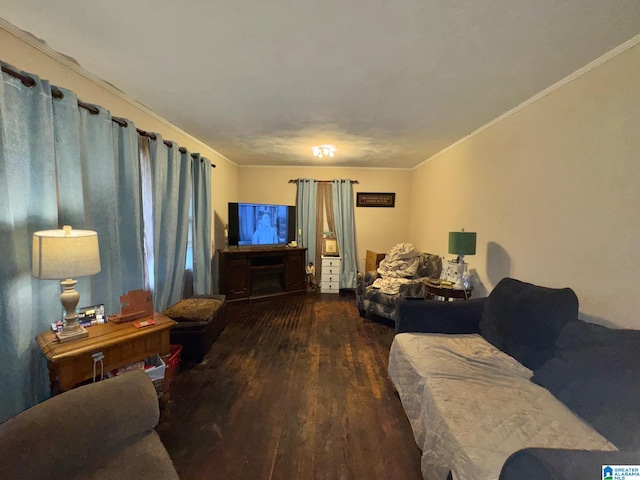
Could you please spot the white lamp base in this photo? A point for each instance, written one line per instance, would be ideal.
(69, 334)
(69, 298)
(462, 268)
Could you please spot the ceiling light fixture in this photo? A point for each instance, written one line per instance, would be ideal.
(324, 151)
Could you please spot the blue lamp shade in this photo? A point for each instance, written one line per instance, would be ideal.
(462, 243)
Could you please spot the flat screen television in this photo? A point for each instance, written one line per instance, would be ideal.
(255, 224)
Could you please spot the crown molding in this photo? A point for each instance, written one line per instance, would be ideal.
(556, 86)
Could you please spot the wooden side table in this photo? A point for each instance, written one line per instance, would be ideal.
(121, 344)
(447, 292)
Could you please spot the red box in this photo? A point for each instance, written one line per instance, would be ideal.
(173, 362)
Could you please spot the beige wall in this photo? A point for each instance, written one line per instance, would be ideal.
(377, 229)
(553, 192)
(59, 71)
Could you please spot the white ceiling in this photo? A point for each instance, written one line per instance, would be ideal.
(389, 83)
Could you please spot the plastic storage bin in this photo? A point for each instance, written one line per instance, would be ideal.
(156, 368)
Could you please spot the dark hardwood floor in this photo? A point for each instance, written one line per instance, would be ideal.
(294, 388)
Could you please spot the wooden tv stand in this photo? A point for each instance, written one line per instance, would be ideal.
(259, 273)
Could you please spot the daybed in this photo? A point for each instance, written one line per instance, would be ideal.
(401, 274)
(100, 431)
(515, 383)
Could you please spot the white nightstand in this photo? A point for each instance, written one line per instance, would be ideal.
(330, 275)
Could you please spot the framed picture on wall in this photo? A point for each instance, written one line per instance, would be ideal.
(330, 247)
(370, 199)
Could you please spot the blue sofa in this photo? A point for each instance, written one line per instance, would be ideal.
(591, 370)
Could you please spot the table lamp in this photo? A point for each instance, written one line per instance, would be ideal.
(461, 244)
(60, 255)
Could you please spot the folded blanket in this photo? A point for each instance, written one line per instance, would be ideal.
(401, 261)
(390, 286)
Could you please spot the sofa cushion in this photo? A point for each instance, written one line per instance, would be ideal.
(429, 266)
(140, 457)
(375, 295)
(470, 406)
(524, 320)
(596, 375)
(578, 335)
(195, 309)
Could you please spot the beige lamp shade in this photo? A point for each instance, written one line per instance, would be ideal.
(66, 253)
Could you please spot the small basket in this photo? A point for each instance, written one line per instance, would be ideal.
(159, 386)
(157, 373)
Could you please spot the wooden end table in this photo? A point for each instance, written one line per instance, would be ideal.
(121, 344)
(447, 292)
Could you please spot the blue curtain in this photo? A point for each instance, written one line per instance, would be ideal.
(130, 218)
(342, 194)
(201, 225)
(171, 185)
(306, 215)
(66, 127)
(99, 189)
(27, 204)
(146, 187)
(62, 164)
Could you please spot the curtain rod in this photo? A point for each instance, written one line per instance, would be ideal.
(296, 180)
(26, 81)
(57, 94)
(123, 123)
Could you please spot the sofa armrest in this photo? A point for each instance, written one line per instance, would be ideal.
(56, 437)
(433, 316)
(561, 464)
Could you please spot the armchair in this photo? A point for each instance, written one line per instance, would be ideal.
(371, 299)
(101, 431)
